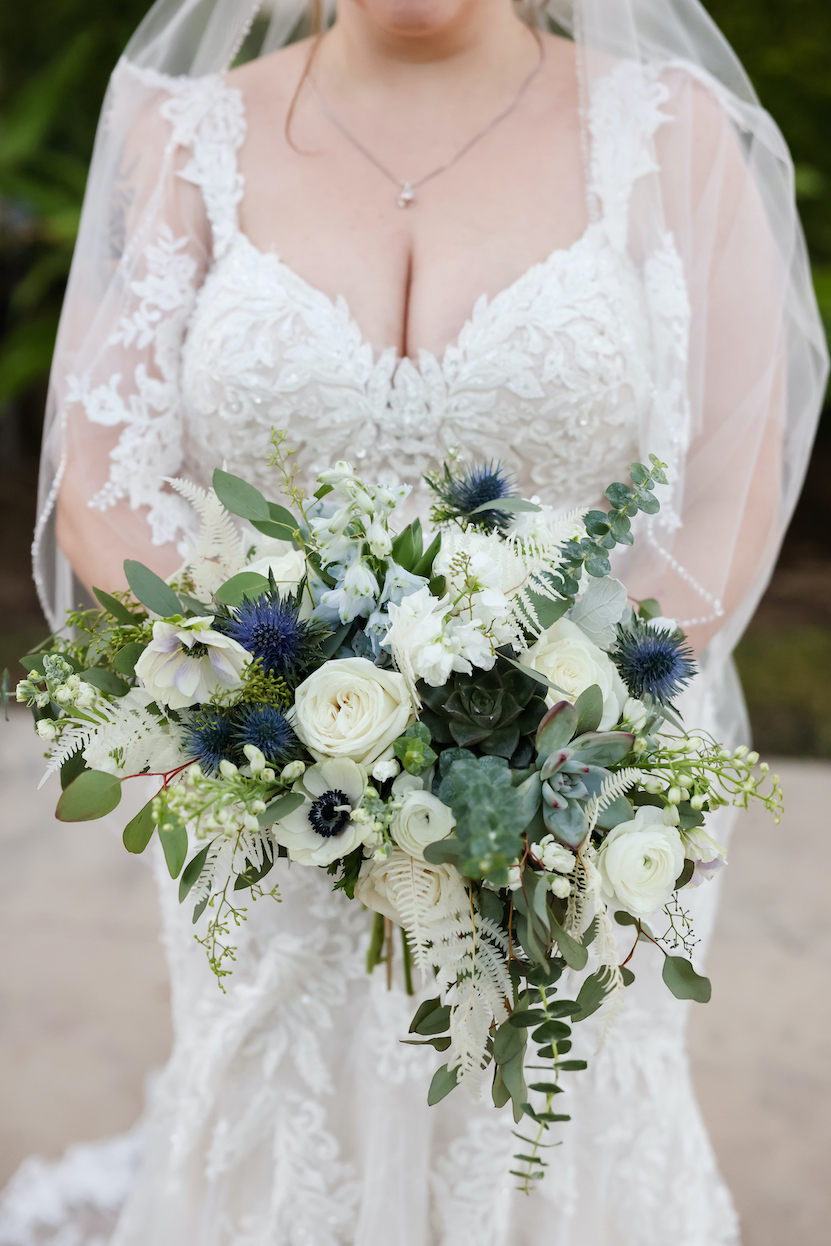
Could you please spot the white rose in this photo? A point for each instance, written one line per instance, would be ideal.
(174, 675)
(351, 708)
(571, 661)
(421, 820)
(639, 862)
(384, 886)
(287, 566)
(325, 827)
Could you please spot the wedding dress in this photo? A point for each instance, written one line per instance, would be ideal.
(291, 1114)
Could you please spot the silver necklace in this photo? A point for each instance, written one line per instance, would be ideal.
(406, 195)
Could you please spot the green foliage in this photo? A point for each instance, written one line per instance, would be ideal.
(92, 795)
(684, 982)
(151, 590)
(413, 749)
(139, 831)
(488, 813)
(247, 584)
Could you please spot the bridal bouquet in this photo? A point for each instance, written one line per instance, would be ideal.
(474, 735)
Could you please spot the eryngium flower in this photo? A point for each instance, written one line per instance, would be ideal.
(269, 629)
(269, 731)
(475, 485)
(209, 738)
(652, 661)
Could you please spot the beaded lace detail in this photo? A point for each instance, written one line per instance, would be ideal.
(290, 1112)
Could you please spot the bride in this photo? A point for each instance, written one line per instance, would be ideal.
(558, 237)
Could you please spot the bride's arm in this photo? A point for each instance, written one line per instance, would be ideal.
(753, 375)
(116, 372)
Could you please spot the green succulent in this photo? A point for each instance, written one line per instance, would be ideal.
(497, 712)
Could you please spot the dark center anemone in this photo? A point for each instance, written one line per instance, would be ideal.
(267, 729)
(269, 629)
(653, 662)
(330, 813)
(209, 737)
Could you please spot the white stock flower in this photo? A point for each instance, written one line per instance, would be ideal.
(571, 661)
(186, 663)
(639, 862)
(46, 729)
(385, 768)
(421, 820)
(553, 855)
(416, 625)
(443, 893)
(324, 828)
(351, 708)
(559, 886)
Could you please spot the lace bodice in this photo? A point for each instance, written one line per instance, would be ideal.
(554, 376)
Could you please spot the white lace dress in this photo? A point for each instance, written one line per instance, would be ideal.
(290, 1113)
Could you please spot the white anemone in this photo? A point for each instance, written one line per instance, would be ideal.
(322, 830)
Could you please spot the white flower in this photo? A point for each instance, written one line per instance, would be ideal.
(553, 855)
(288, 566)
(385, 768)
(443, 892)
(514, 878)
(323, 830)
(634, 714)
(639, 862)
(559, 886)
(421, 820)
(186, 663)
(662, 624)
(709, 856)
(355, 596)
(378, 536)
(351, 708)
(572, 662)
(46, 729)
(416, 625)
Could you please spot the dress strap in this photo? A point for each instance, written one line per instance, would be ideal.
(624, 117)
(208, 117)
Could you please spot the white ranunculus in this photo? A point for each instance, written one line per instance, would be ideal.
(324, 829)
(421, 820)
(351, 708)
(639, 862)
(380, 882)
(572, 662)
(186, 663)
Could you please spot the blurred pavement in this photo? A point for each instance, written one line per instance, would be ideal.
(83, 993)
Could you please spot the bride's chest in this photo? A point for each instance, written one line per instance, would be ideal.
(550, 377)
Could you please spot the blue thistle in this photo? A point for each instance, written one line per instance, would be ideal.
(475, 485)
(269, 731)
(269, 628)
(653, 662)
(209, 737)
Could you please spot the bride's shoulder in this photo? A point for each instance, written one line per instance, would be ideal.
(271, 79)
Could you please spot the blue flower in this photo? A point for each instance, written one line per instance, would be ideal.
(653, 661)
(209, 738)
(270, 630)
(472, 487)
(269, 731)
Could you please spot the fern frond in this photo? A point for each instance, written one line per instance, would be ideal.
(219, 549)
(72, 739)
(614, 786)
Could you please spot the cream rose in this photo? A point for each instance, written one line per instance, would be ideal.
(639, 862)
(351, 708)
(573, 662)
(421, 820)
(384, 886)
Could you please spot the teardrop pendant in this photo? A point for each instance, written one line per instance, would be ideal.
(407, 196)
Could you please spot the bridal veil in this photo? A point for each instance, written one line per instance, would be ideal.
(740, 360)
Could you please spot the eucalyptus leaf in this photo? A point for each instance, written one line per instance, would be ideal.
(125, 660)
(105, 681)
(591, 995)
(239, 497)
(175, 845)
(151, 590)
(139, 831)
(444, 1080)
(281, 807)
(424, 1010)
(572, 952)
(115, 607)
(92, 795)
(245, 584)
(71, 768)
(684, 982)
(509, 505)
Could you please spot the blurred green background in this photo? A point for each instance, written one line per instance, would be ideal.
(53, 73)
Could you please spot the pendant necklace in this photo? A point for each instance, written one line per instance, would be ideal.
(406, 190)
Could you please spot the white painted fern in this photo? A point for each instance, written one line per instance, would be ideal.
(526, 563)
(72, 739)
(616, 785)
(219, 549)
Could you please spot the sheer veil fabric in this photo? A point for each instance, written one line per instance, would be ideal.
(735, 365)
